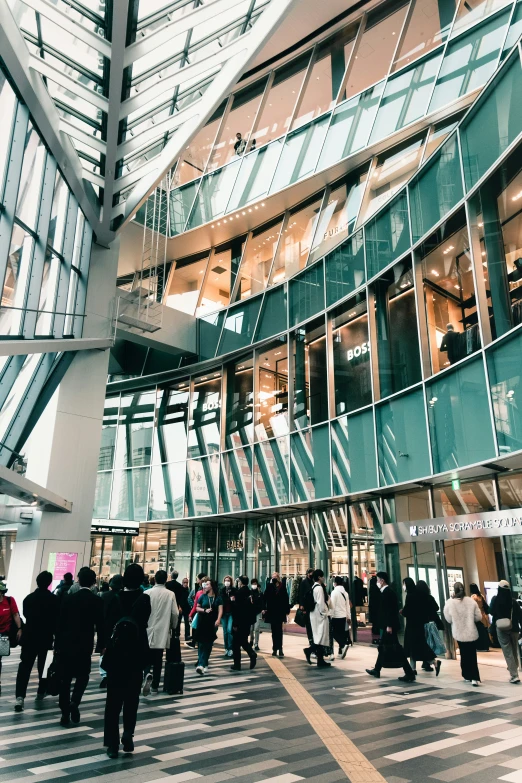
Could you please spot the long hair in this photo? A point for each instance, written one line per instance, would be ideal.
(475, 590)
(458, 591)
(423, 587)
(409, 584)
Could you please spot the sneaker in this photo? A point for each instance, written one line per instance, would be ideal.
(313, 656)
(113, 753)
(344, 651)
(147, 685)
(103, 683)
(75, 713)
(226, 654)
(373, 673)
(235, 668)
(199, 669)
(474, 683)
(205, 669)
(256, 647)
(127, 742)
(281, 654)
(19, 704)
(230, 653)
(407, 678)
(514, 680)
(191, 644)
(154, 690)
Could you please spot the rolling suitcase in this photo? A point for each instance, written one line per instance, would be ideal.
(174, 677)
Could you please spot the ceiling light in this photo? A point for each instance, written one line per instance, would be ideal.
(434, 272)
(517, 197)
(448, 249)
(480, 225)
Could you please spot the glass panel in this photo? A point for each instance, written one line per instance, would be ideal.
(306, 294)
(31, 179)
(185, 283)
(428, 26)
(345, 268)
(135, 422)
(413, 506)
(181, 201)
(387, 235)
(351, 356)
(239, 428)
(353, 468)
(495, 123)
(396, 322)
(436, 190)
(310, 475)
(405, 98)
(439, 133)
(350, 126)
(471, 11)
(194, 158)
(167, 491)
(15, 284)
(473, 497)
(392, 170)
(515, 30)
(204, 424)
(130, 491)
(258, 257)
(277, 111)
(292, 545)
(272, 390)
(231, 550)
(209, 333)
(236, 481)
(449, 295)
(296, 240)
(102, 495)
(221, 276)
(469, 61)
(255, 175)
(506, 391)
(326, 76)
(338, 215)
(460, 422)
(402, 439)
(172, 414)
(310, 374)
(8, 105)
(300, 153)
(240, 322)
(375, 53)
(58, 213)
(271, 473)
(510, 491)
(108, 434)
(213, 195)
(204, 546)
(236, 132)
(46, 306)
(367, 553)
(273, 318)
(202, 486)
(329, 541)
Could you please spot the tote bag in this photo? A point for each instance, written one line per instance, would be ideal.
(433, 638)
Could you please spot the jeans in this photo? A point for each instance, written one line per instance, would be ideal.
(121, 693)
(277, 636)
(78, 671)
(27, 659)
(240, 640)
(204, 650)
(508, 640)
(226, 621)
(156, 664)
(254, 631)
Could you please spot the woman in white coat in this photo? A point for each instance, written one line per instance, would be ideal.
(463, 614)
(319, 620)
(340, 601)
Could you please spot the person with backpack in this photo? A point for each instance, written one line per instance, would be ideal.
(125, 659)
(243, 616)
(9, 617)
(64, 585)
(40, 610)
(319, 620)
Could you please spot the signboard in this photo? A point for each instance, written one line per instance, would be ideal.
(115, 527)
(61, 563)
(486, 525)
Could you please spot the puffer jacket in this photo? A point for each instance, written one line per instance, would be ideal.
(463, 613)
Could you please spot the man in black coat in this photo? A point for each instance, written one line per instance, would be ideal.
(243, 616)
(177, 588)
(81, 616)
(389, 625)
(306, 587)
(40, 610)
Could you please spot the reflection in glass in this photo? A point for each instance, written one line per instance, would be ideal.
(235, 134)
(172, 414)
(213, 194)
(292, 545)
(257, 259)
(310, 374)
(428, 26)
(300, 153)
(472, 497)
(273, 318)
(296, 240)
(402, 439)
(458, 413)
(278, 108)
(108, 434)
(194, 157)
(102, 495)
(58, 213)
(351, 356)
(221, 276)
(439, 133)
(353, 468)
(209, 332)
(239, 428)
(470, 11)
(255, 175)
(202, 486)
(31, 178)
(306, 294)
(49, 283)
(130, 491)
(239, 326)
(185, 282)
(271, 472)
(8, 105)
(15, 283)
(271, 417)
(449, 295)
(506, 393)
(181, 201)
(310, 475)
(167, 491)
(231, 550)
(345, 268)
(205, 411)
(135, 422)
(387, 235)
(510, 491)
(236, 481)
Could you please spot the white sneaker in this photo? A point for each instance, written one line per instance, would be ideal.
(19, 704)
(154, 690)
(345, 650)
(205, 669)
(147, 684)
(514, 681)
(230, 653)
(199, 669)
(475, 683)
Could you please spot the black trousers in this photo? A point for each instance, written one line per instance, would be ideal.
(340, 634)
(393, 639)
(28, 657)
(156, 664)
(122, 693)
(309, 631)
(79, 671)
(187, 624)
(240, 640)
(468, 660)
(277, 636)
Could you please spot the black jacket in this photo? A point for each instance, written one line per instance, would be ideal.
(81, 616)
(305, 587)
(119, 663)
(177, 588)
(277, 604)
(389, 610)
(40, 610)
(243, 611)
(501, 608)
(226, 593)
(258, 600)
(418, 610)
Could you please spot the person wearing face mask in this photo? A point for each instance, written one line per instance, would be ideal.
(228, 595)
(209, 608)
(258, 601)
(193, 598)
(244, 614)
(276, 611)
(319, 620)
(391, 653)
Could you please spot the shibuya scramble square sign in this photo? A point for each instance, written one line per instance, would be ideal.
(488, 524)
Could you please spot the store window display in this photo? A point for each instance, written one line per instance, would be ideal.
(271, 407)
(310, 374)
(351, 356)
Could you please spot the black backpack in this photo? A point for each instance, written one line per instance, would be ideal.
(123, 649)
(309, 601)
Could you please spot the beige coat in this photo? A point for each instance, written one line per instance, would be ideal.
(163, 618)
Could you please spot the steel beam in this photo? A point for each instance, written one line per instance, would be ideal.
(26, 347)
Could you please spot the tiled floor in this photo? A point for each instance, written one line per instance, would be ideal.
(230, 726)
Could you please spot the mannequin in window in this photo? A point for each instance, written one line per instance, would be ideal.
(240, 145)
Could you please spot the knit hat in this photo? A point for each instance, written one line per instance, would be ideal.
(504, 583)
(3, 587)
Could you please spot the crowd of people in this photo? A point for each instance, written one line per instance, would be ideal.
(134, 624)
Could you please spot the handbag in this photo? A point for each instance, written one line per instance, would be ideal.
(5, 647)
(53, 679)
(505, 623)
(300, 618)
(391, 653)
(433, 639)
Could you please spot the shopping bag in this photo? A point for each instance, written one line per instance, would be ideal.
(53, 679)
(391, 654)
(433, 639)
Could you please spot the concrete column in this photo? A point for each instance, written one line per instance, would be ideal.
(63, 449)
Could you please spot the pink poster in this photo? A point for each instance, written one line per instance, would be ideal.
(59, 564)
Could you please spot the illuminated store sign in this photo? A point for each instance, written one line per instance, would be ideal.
(486, 525)
(359, 350)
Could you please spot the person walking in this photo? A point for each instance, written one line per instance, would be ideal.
(40, 610)
(258, 601)
(209, 608)
(177, 589)
(341, 605)
(390, 651)
(243, 615)
(193, 596)
(81, 616)
(9, 615)
(228, 596)
(483, 625)
(319, 620)
(507, 618)
(162, 624)
(432, 613)
(416, 614)
(65, 585)
(184, 607)
(111, 613)
(277, 608)
(305, 590)
(125, 659)
(463, 614)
